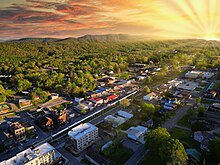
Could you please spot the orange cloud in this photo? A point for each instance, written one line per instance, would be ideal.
(66, 18)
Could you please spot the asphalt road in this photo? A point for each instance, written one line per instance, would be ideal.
(137, 156)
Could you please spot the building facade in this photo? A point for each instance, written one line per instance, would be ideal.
(42, 155)
(83, 135)
(18, 131)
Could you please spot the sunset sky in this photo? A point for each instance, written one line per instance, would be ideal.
(169, 19)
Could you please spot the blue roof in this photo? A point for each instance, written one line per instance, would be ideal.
(167, 107)
(101, 88)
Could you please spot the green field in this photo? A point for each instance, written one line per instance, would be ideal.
(184, 137)
(184, 121)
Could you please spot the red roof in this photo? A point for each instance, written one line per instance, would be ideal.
(112, 97)
(96, 99)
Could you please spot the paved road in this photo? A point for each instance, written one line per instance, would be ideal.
(72, 160)
(137, 156)
(184, 128)
(170, 123)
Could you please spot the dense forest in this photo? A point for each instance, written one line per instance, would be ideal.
(71, 66)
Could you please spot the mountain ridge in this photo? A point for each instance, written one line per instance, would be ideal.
(106, 37)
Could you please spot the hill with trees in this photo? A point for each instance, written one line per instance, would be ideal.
(71, 66)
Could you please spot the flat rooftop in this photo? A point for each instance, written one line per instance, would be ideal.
(28, 155)
(188, 85)
(81, 130)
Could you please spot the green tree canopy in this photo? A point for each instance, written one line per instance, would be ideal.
(163, 149)
(214, 147)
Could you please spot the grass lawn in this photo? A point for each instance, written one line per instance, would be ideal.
(184, 121)
(121, 155)
(203, 84)
(184, 137)
(131, 122)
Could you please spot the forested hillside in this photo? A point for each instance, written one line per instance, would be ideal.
(70, 66)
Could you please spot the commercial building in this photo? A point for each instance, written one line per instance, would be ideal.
(125, 115)
(83, 135)
(188, 86)
(137, 133)
(41, 155)
(115, 120)
(193, 74)
(18, 131)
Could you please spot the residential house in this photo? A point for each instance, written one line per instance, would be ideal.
(193, 156)
(29, 127)
(150, 96)
(78, 100)
(140, 78)
(210, 94)
(81, 108)
(137, 133)
(204, 145)
(112, 97)
(150, 123)
(203, 138)
(207, 75)
(54, 96)
(215, 107)
(46, 123)
(97, 101)
(18, 131)
(59, 116)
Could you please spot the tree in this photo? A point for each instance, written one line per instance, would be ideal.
(5, 93)
(147, 89)
(125, 103)
(191, 112)
(198, 100)
(83, 111)
(199, 126)
(214, 147)
(201, 111)
(163, 149)
(148, 108)
(23, 85)
(148, 80)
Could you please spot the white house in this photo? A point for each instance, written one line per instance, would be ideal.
(54, 95)
(150, 96)
(78, 100)
(137, 133)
